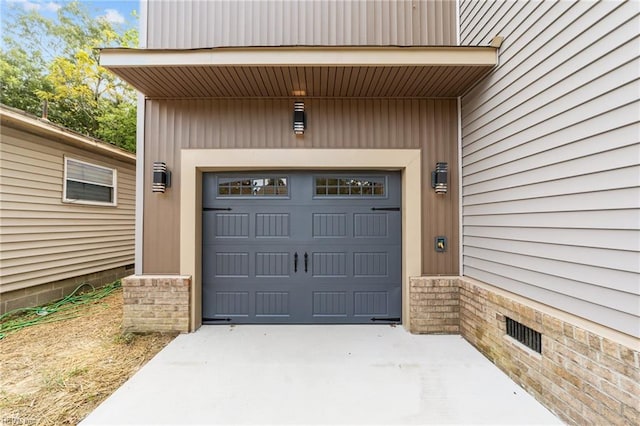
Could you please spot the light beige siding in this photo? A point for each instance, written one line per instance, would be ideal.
(551, 156)
(184, 24)
(43, 239)
(332, 123)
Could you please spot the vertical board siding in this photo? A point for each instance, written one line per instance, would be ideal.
(188, 24)
(43, 239)
(550, 158)
(173, 125)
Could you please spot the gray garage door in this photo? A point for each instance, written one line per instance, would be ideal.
(301, 247)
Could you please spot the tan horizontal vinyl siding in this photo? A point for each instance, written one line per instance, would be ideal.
(425, 124)
(551, 149)
(185, 24)
(45, 240)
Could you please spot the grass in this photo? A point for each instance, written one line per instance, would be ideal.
(57, 372)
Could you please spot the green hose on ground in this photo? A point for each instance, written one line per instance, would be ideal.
(24, 317)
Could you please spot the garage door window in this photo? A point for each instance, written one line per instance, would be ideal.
(345, 186)
(86, 183)
(253, 187)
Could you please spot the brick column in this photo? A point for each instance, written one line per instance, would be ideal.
(434, 305)
(156, 303)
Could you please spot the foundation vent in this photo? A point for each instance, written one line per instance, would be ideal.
(525, 335)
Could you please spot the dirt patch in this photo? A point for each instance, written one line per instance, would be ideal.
(57, 373)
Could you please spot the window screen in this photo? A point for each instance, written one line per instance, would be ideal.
(89, 183)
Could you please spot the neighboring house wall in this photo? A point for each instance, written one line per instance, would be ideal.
(44, 240)
(172, 125)
(550, 157)
(178, 24)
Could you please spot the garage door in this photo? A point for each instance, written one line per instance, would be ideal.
(301, 247)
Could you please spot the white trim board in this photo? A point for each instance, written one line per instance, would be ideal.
(302, 56)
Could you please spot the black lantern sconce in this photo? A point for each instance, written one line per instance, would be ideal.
(299, 118)
(161, 176)
(439, 178)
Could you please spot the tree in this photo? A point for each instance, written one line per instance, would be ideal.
(58, 61)
(118, 122)
(21, 77)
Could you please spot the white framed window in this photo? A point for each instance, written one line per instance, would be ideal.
(86, 183)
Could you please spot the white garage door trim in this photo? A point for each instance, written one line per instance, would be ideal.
(196, 161)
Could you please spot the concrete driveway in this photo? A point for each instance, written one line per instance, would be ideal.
(376, 374)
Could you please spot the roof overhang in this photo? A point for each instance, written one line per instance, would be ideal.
(13, 118)
(301, 71)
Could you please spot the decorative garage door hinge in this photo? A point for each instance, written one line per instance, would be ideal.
(215, 320)
(386, 319)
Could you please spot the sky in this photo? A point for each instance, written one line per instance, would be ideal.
(114, 11)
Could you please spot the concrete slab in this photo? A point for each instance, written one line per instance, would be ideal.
(318, 375)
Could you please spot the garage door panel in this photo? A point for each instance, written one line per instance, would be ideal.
(302, 258)
(330, 304)
(357, 265)
(253, 263)
(329, 225)
(232, 225)
(371, 264)
(232, 265)
(270, 264)
(227, 301)
(329, 265)
(270, 304)
(232, 303)
(367, 303)
(370, 225)
(272, 225)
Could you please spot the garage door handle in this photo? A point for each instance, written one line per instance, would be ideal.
(306, 261)
(295, 262)
(386, 209)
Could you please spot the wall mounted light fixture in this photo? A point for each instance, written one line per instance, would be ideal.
(439, 178)
(161, 176)
(299, 118)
